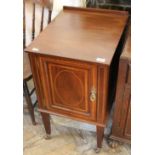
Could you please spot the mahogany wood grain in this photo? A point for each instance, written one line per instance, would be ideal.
(69, 81)
(121, 128)
(82, 32)
(103, 80)
(46, 122)
(127, 48)
(127, 131)
(100, 134)
(67, 85)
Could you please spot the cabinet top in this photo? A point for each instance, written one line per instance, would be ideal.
(82, 34)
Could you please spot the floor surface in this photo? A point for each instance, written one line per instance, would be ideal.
(68, 138)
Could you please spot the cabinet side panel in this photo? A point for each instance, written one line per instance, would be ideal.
(102, 106)
(36, 79)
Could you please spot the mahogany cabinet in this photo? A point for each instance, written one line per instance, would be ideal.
(121, 128)
(71, 61)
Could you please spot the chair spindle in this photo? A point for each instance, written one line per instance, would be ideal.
(49, 16)
(42, 19)
(24, 26)
(33, 22)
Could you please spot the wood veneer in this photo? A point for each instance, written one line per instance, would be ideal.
(121, 128)
(71, 61)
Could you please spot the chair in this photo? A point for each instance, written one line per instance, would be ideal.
(45, 5)
(58, 5)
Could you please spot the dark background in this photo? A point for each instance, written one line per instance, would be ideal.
(110, 4)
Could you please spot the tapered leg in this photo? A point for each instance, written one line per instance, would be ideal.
(47, 125)
(29, 102)
(100, 134)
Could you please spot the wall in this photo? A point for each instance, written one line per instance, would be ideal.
(110, 4)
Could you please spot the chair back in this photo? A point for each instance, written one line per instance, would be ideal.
(36, 16)
(58, 5)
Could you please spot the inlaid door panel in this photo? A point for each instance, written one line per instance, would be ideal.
(68, 86)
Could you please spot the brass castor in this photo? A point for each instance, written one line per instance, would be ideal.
(97, 150)
(47, 136)
(113, 144)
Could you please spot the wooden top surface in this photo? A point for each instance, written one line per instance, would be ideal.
(126, 53)
(83, 34)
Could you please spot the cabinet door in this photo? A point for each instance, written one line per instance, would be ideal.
(67, 87)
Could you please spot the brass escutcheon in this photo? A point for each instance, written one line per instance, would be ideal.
(93, 95)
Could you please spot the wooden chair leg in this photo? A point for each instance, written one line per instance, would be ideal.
(47, 124)
(29, 102)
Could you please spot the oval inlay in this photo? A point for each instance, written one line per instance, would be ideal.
(68, 88)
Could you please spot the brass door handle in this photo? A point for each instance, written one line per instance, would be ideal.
(93, 95)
